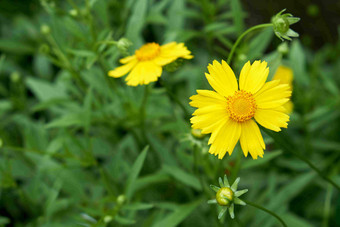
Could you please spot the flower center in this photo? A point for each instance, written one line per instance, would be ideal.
(148, 51)
(224, 196)
(241, 106)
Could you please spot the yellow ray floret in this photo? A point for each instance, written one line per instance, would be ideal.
(285, 75)
(146, 65)
(231, 111)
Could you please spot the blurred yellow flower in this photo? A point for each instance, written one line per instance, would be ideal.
(227, 113)
(285, 75)
(146, 65)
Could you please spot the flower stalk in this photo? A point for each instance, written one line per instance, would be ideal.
(267, 211)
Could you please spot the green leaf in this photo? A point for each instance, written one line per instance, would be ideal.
(71, 119)
(176, 217)
(124, 221)
(4, 220)
(136, 23)
(293, 220)
(45, 91)
(183, 176)
(15, 47)
(261, 161)
(238, 15)
(138, 206)
(136, 168)
(297, 59)
(259, 43)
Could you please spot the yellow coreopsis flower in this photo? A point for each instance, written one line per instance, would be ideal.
(229, 113)
(145, 65)
(285, 75)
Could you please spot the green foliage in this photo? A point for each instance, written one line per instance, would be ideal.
(79, 148)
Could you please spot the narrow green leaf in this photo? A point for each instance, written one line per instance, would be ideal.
(176, 217)
(237, 13)
(183, 176)
(215, 188)
(138, 206)
(136, 168)
(261, 161)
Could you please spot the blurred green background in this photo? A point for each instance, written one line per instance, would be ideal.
(72, 140)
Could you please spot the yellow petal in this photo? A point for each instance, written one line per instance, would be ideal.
(272, 95)
(211, 112)
(253, 77)
(144, 73)
(284, 74)
(127, 59)
(222, 78)
(122, 70)
(288, 106)
(207, 98)
(272, 119)
(251, 139)
(172, 51)
(225, 139)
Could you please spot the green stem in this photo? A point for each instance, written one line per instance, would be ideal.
(143, 111)
(287, 146)
(174, 98)
(241, 37)
(266, 210)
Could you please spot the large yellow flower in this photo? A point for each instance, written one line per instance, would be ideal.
(146, 65)
(285, 75)
(228, 113)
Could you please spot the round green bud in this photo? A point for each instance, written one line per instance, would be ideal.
(108, 219)
(283, 48)
(73, 12)
(123, 43)
(280, 24)
(224, 196)
(15, 77)
(45, 29)
(121, 199)
(197, 133)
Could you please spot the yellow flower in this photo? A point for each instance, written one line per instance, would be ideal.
(146, 65)
(285, 75)
(228, 113)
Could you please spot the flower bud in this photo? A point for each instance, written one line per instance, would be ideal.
(197, 133)
(45, 29)
(224, 196)
(15, 77)
(73, 12)
(121, 199)
(173, 66)
(281, 23)
(227, 196)
(123, 45)
(283, 48)
(108, 219)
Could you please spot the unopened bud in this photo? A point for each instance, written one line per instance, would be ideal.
(73, 12)
(45, 29)
(121, 199)
(281, 23)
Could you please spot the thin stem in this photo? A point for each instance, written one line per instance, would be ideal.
(266, 210)
(174, 98)
(287, 146)
(143, 111)
(241, 37)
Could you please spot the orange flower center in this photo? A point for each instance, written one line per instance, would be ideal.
(148, 51)
(241, 106)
